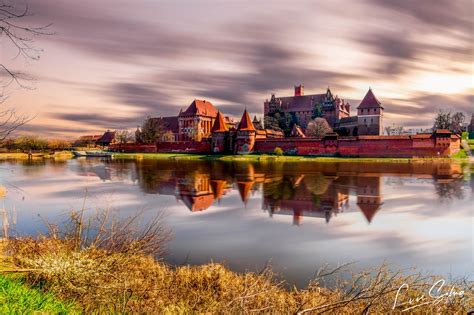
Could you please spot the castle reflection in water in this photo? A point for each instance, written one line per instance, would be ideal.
(298, 189)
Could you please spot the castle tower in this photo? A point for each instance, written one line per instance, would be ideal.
(370, 116)
(369, 196)
(246, 133)
(299, 90)
(220, 134)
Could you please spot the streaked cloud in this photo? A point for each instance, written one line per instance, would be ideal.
(154, 57)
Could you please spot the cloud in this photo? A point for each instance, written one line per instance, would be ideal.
(235, 55)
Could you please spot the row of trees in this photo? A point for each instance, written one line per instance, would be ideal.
(281, 121)
(30, 143)
(447, 120)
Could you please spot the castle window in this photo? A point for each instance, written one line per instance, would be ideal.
(371, 120)
(365, 120)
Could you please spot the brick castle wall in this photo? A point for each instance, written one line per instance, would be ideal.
(363, 146)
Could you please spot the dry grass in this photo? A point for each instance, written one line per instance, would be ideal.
(116, 270)
(106, 281)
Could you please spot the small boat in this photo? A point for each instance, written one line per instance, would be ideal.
(79, 153)
(98, 154)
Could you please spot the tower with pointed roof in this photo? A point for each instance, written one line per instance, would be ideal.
(220, 134)
(370, 116)
(245, 137)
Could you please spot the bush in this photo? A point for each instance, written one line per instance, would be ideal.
(278, 151)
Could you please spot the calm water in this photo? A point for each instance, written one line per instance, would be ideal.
(298, 216)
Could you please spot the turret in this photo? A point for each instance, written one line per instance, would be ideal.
(246, 132)
(299, 90)
(370, 115)
(220, 133)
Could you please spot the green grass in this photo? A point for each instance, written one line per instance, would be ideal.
(259, 158)
(460, 155)
(17, 298)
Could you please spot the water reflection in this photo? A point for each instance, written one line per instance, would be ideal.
(296, 189)
(299, 215)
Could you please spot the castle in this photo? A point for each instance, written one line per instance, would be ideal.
(202, 128)
(337, 112)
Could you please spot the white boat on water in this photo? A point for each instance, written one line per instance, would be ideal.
(79, 153)
(96, 153)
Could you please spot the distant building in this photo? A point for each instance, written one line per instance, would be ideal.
(301, 106)
(193, 124)
(370, 116)
(87, 141)
(107, 138)
(336, 111)
(470, 128)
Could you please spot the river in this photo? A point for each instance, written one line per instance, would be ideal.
(297, 216)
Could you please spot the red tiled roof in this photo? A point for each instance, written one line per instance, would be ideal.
(370, 101)
(300, 103)
(246, 123)
(219, 124)
(200, 108)
(297, 132)
(107, 137)
(442, 131)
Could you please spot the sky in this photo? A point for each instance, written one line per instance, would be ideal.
(109, 64)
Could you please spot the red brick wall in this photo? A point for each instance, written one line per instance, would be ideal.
(133, 148)
(184, 147)
(384, 146)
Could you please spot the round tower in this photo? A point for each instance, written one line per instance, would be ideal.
(245, 140)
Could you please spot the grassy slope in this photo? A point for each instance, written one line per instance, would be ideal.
(17, 298)
(256, 157)
(24, 156)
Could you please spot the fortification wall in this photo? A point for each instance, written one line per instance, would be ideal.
(133, 148)
(363, 146)
(184, 147)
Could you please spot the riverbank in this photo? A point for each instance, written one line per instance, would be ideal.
(39, 155)
(268, 158)
(127, 280)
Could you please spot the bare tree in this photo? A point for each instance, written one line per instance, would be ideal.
(124, 136)
(452, 122)
(318, 127)
(14, 32)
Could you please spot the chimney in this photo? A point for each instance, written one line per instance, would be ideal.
(299, 90)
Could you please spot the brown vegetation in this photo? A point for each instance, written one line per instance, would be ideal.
(116, 270)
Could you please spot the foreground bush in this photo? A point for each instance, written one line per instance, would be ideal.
(107, 281)
(107, 266)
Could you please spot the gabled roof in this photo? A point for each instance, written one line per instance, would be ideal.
(200, 108)
(246, 123)
(107, 137)
(370, 101)
(300, 103)
(219, 124)
(297, 132)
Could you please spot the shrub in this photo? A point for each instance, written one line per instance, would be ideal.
(278, 151)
